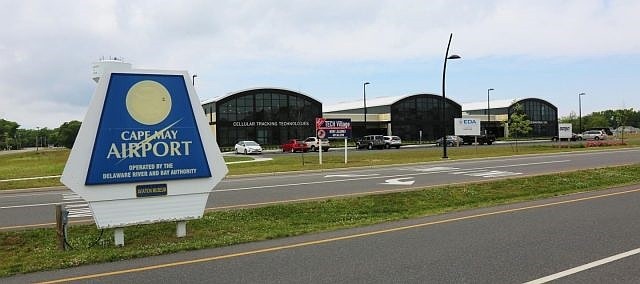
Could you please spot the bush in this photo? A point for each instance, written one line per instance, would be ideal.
(604, 143)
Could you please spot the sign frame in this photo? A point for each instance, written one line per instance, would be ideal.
(565, 130)
(466, 126)
(339, 128)
(117, 205)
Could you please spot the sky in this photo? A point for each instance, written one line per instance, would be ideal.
(548, 49)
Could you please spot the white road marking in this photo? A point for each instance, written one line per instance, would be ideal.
(353, 175)
(77, 210)
(30, 178)
(462, 173)
(398, 181)
(38, 204)
(71, 196)
(436, 169)
(287, 185)
(492, 174)
(584, 267)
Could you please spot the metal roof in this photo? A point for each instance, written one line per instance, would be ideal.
(374, 102)
(218, 98)
(505, 103)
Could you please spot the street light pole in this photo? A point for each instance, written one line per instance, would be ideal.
(364, 96)
(193, 79)
(580, 109)
(37, 133)
(486, 129)
(444, 122)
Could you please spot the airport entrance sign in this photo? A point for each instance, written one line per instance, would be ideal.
(144, 152)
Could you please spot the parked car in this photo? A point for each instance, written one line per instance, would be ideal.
(295, 145)
(370, 142)
(594, 135)
(314, 144)
(392, 141)
(451, 141)
(247, 147)
(606, 130)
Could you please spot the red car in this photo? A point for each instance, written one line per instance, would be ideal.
(295, 145)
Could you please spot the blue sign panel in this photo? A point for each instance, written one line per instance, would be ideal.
(147, 132)
(334, 128)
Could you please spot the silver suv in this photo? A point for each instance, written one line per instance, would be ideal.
(594, 135)
(392, 141)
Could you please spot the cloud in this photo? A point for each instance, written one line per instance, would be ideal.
(48, 46)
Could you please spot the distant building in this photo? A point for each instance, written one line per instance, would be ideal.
(272, 115)
(542, 114)
(266, 115)
(412, 117)
(419, 117)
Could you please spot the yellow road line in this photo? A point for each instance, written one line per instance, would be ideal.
(303, 244)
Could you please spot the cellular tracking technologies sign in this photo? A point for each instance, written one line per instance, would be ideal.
(144, 152)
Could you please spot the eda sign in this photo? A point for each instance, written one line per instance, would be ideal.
(466, 126)
(144, 152)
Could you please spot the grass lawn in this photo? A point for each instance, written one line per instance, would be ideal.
(35, 250)
(51, 162)
(364, 158)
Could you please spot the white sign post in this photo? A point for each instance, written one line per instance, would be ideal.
(467, 127)
(333, 129)
(565, 131)
(345, 150)
(144, 153)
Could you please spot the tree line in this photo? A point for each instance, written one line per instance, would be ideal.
(13, 137)
(604, 119)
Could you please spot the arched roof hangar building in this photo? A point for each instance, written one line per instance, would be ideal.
(266, 115)
(273, 115)
(419, 117)
(542, 114)
(413, 117)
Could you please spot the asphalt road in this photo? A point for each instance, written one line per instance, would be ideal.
(20, 209)
(581, 238)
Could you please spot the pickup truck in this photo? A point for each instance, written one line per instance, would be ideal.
(313, 144)
(482, 139)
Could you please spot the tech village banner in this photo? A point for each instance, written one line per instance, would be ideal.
(141, 135)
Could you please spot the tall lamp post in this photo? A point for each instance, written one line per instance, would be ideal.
(37, 133)
(193, 79)
(444, 122)
(364, 96)
(580, 109)
(486, 129)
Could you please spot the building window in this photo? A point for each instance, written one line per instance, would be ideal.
(423, 113)
(269, 116)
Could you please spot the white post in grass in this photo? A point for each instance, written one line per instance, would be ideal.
(320, 149)
(181, 229)
(118, 236)
(345, 150)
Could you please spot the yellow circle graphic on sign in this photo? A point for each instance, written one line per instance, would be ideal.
(148, 102)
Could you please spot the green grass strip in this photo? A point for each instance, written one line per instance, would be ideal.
(35, 250)
(51, 162)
